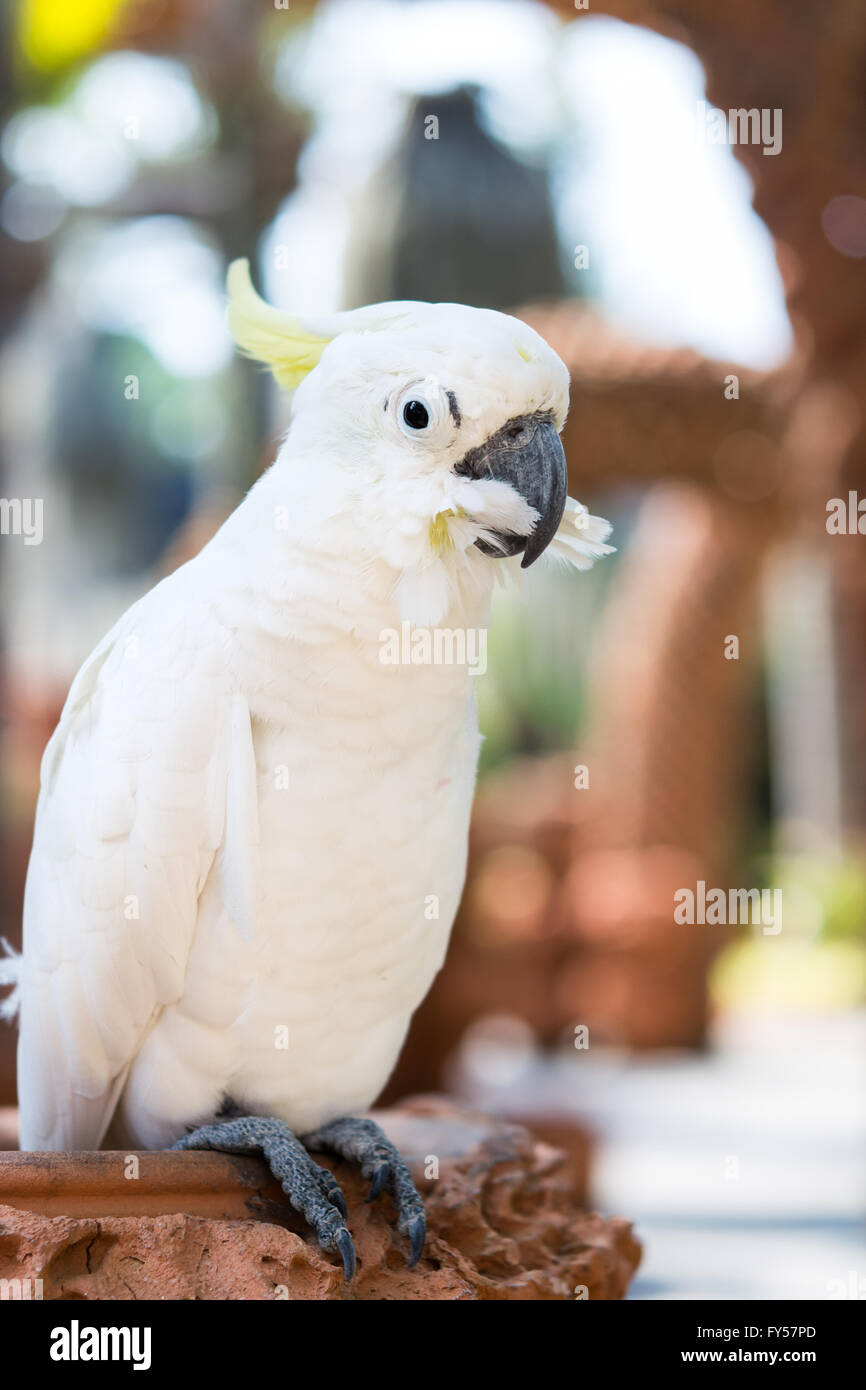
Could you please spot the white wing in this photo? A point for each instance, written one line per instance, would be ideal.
(130, 817)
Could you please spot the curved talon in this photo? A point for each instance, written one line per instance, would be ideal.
(347, 1252)
(417, 1233)
(360, 1140)
(378, 1184)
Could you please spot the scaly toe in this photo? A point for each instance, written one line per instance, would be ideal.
(312, 1191)
(361, 1141)
(380, 1177)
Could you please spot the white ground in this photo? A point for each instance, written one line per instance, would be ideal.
(743, 1168)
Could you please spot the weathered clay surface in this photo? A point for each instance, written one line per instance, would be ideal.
(502, 1217)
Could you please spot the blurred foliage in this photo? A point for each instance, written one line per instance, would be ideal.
(531, 700)
(839, 888)
(771, 974)
(818, 960)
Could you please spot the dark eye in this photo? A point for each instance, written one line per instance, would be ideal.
(416, 415)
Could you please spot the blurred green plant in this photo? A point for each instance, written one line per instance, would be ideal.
(531, 700)
(818, 961)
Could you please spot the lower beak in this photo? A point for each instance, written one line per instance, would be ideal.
(527, 453)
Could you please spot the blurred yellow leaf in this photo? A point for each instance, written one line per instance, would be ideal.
(53, 33)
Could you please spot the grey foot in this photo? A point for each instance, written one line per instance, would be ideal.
(366, 1144)
(312, 1190)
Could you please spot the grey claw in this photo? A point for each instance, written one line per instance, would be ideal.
(417, 1233)
(347, 1251)
(378, 1184)
(360, 1140)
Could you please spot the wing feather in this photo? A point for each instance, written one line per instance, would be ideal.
(130, 817)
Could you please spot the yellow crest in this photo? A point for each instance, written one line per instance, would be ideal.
(268, 334)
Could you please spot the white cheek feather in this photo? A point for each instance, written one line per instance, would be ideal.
(492, 505)
(438, 559)
(580, 538)
(434, 544)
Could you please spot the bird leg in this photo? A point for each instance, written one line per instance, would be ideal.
(364, 1143)
(314, 1191)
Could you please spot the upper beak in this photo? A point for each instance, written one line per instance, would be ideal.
(527, 453)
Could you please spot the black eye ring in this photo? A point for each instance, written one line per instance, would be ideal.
(416, 415)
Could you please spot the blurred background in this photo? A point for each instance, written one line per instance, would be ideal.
(691, 710)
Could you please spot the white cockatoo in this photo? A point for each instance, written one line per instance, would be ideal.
(251, 836)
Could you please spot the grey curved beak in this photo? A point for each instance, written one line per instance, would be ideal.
(527, 453)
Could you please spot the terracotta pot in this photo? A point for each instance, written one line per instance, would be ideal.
(219, 1186)
(504, 1221)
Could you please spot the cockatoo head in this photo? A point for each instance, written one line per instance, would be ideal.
(445, 420)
